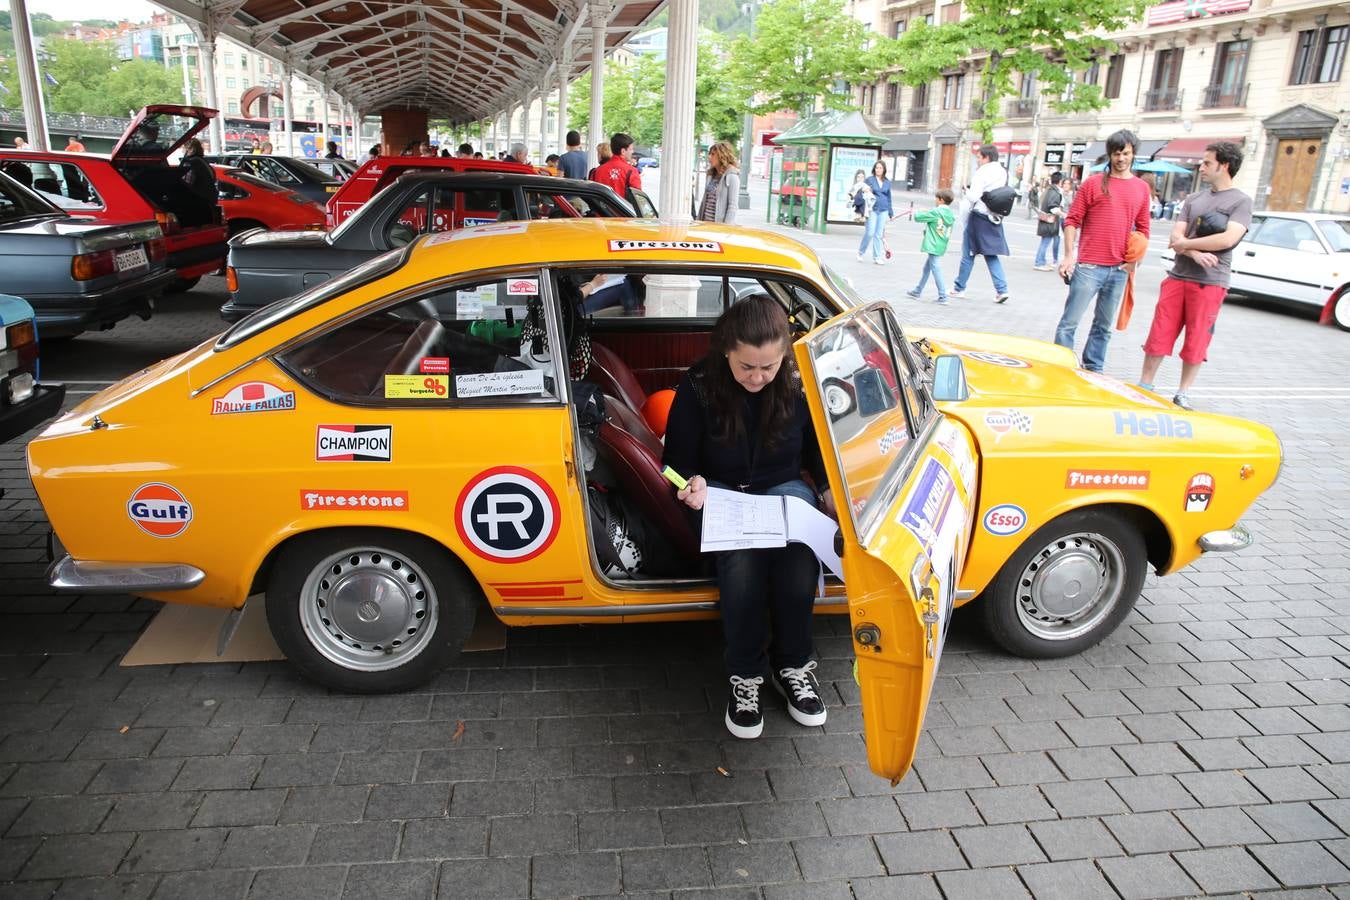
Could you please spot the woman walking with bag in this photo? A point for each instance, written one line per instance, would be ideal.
(1051, 215)
(880, 186)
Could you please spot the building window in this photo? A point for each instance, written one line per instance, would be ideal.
(1165, 93)
(1028, 85)
(1093, 72)
(919, 99)
(1319, 54)
(953, 91)
(928, 18)
(951, 13)
(1114, 73)
(897, 28)
(229, 59)
(1228, 79)
(229, 83)
(892, 95)
(232, 106)
(192, 61)
(243, 60)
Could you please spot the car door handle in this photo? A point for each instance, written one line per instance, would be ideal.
(1251, 252)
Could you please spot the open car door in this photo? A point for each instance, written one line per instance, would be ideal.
(904, 480)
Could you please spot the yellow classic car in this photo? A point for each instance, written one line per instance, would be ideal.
(384, 455)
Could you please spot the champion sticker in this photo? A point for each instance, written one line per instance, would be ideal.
(160, 510)
(1199, 491)
(1005, 519)
(1002, 421)
(253, 397)
(643, 246)
(354, 443)
(507, 514)
(996, 359)
(892, 438)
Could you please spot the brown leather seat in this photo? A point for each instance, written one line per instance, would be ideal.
(424, 340)
(615, 379)
(634, 455)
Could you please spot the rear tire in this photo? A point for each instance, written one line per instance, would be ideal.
(1068, 586)
(839, 400)
(366, 611)
(1340, 312)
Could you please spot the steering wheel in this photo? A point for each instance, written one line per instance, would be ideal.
(807, 312)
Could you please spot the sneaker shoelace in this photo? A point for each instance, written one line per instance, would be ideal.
(745, 691)
(798, 680)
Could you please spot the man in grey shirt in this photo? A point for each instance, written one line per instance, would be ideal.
(573, 162)
(1213, 221)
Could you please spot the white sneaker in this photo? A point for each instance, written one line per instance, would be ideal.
(955, 293)
(862, 257)
(879, 261)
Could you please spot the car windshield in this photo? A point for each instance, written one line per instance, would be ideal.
(307, 172)
(1337, 233)
(18, 203)
(254, 181)
(843, 285)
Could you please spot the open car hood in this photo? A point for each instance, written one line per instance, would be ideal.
(158, 130)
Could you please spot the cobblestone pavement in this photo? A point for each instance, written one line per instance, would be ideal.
(1203, 749)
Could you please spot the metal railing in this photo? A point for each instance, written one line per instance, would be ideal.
(100, 126)
(1021, 108)
(1218, 96)
(890, 116)
(1162, 100)
(918, 114)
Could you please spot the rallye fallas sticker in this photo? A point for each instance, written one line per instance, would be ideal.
(627, 246)
(253, 397)
(354, 443)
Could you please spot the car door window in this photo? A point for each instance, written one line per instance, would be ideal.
(1285, 233)
(275, 171)
(1337, 233)
(483, 342)
(640, 291)
(484, 207)
(646, 209)
(539, 205)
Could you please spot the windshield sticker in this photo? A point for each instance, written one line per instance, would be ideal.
(469, 304)
(253, 397)
(416, 387)
(1199, 491)
(160, 510)
(996, 359)
(434, 365)
(500, 384)
(522, 287)
(1107, 478)
(389, 501)
(474, 221)
(1131, 424)
(354, 443)
(1118, 387)
(1003, 421)
(642, 246)
(507, 515)
(1005, 519)
(929, 501)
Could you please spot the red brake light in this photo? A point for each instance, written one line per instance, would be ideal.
(156, 248)
(88, 266)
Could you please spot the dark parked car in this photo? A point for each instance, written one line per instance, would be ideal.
(337, 169)
(76, 273)
(24, 402)
(298, 175)
(266, 266)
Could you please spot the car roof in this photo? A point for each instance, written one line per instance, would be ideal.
(54, 154)
(551, 183)
(1304, 216)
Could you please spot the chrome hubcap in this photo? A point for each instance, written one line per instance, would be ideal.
(368, 609)
(837, 400)
(1070, 586)
(1341, 311)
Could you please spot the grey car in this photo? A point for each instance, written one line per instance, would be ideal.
(77, 274)
(265, 266)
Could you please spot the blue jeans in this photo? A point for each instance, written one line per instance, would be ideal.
(1049, 247)
(931, 266)
(876, 224)
(767, 600)
(968, 265)
(1106, 284)
(614, 295)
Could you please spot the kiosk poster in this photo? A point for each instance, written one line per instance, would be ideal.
(845, 163)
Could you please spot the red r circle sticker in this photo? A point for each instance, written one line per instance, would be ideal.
(507, 514)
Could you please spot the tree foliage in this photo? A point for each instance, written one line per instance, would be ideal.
(801, 49)
(1052, 40)
(90, 79)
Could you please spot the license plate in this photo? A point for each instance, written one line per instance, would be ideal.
(134, 258)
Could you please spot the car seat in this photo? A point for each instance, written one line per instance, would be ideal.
(615, 378)
(49, 185)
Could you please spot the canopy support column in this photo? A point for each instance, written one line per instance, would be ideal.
(287, 122)
(677, 140)
(206, 55)
(30, 88)
(543, 121)
(599, 23)
(564, 72)
(322, 143)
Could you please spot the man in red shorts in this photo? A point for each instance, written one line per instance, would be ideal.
(1212, 222)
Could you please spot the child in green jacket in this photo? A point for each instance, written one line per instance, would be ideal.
(940, 221)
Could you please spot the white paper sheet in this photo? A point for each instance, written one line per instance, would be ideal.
(736, 521)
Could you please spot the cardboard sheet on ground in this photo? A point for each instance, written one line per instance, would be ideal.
(736, 521)
(188, 634)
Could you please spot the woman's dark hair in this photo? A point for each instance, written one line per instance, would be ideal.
(883, 168)
(755, 320)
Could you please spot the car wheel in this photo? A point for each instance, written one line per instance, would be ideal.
(1340, 313)
(368, 611)
(838, 398)
(183, 285)
(1068, 586)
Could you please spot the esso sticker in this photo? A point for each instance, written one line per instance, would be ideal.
(160, 510)
(1005, 519)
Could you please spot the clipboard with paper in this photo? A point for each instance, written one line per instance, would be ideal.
(736, 521)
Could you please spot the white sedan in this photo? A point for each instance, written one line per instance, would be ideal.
(1295, 257)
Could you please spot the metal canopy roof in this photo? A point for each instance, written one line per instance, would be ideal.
(460, 59)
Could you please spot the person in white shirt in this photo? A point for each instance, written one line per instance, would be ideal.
(982, 234)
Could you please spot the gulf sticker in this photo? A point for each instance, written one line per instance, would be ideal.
(1005, 519)
(507, 514)
(1002, 421)
(160, 510)
(624, 246)
(522, 287)
(996, 359)
(416, 387)
(252, 397)
(434, 365)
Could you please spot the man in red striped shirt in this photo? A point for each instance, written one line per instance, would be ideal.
(1105, 210)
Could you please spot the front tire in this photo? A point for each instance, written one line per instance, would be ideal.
(1340, 311)
(1068, 586)
(365, 611)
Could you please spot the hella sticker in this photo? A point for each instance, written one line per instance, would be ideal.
(1152, 425)
(253, 397)
(1199, 491)
(354, 443)
(160, 510)
(1005, 519)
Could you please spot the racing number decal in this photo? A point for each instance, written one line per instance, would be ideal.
(507, 514)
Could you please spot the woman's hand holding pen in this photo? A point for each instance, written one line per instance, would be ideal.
(696, 494)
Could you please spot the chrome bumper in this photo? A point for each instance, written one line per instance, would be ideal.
(1226, 541)
(91, 577)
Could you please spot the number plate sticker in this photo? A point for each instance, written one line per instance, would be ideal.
(134, 258)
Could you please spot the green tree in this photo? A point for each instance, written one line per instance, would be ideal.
(800, 51)
(1051, 40)
(139, 83)
(90, 79)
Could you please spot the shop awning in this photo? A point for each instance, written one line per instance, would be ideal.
(1191, 149)
(1147, 149)
(911, 142)
(1089, 154)
(833, 127)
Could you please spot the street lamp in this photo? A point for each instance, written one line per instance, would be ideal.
(747, 129)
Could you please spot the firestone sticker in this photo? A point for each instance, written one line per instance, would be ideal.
(507, 515)
(389, 501)
(1199, 491)
(253, 397)
(1107, 478)
(160, 510)
(641, 246)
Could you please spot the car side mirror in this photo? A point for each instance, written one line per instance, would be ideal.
(873, 395)
(1310, 246)
(949, 378)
